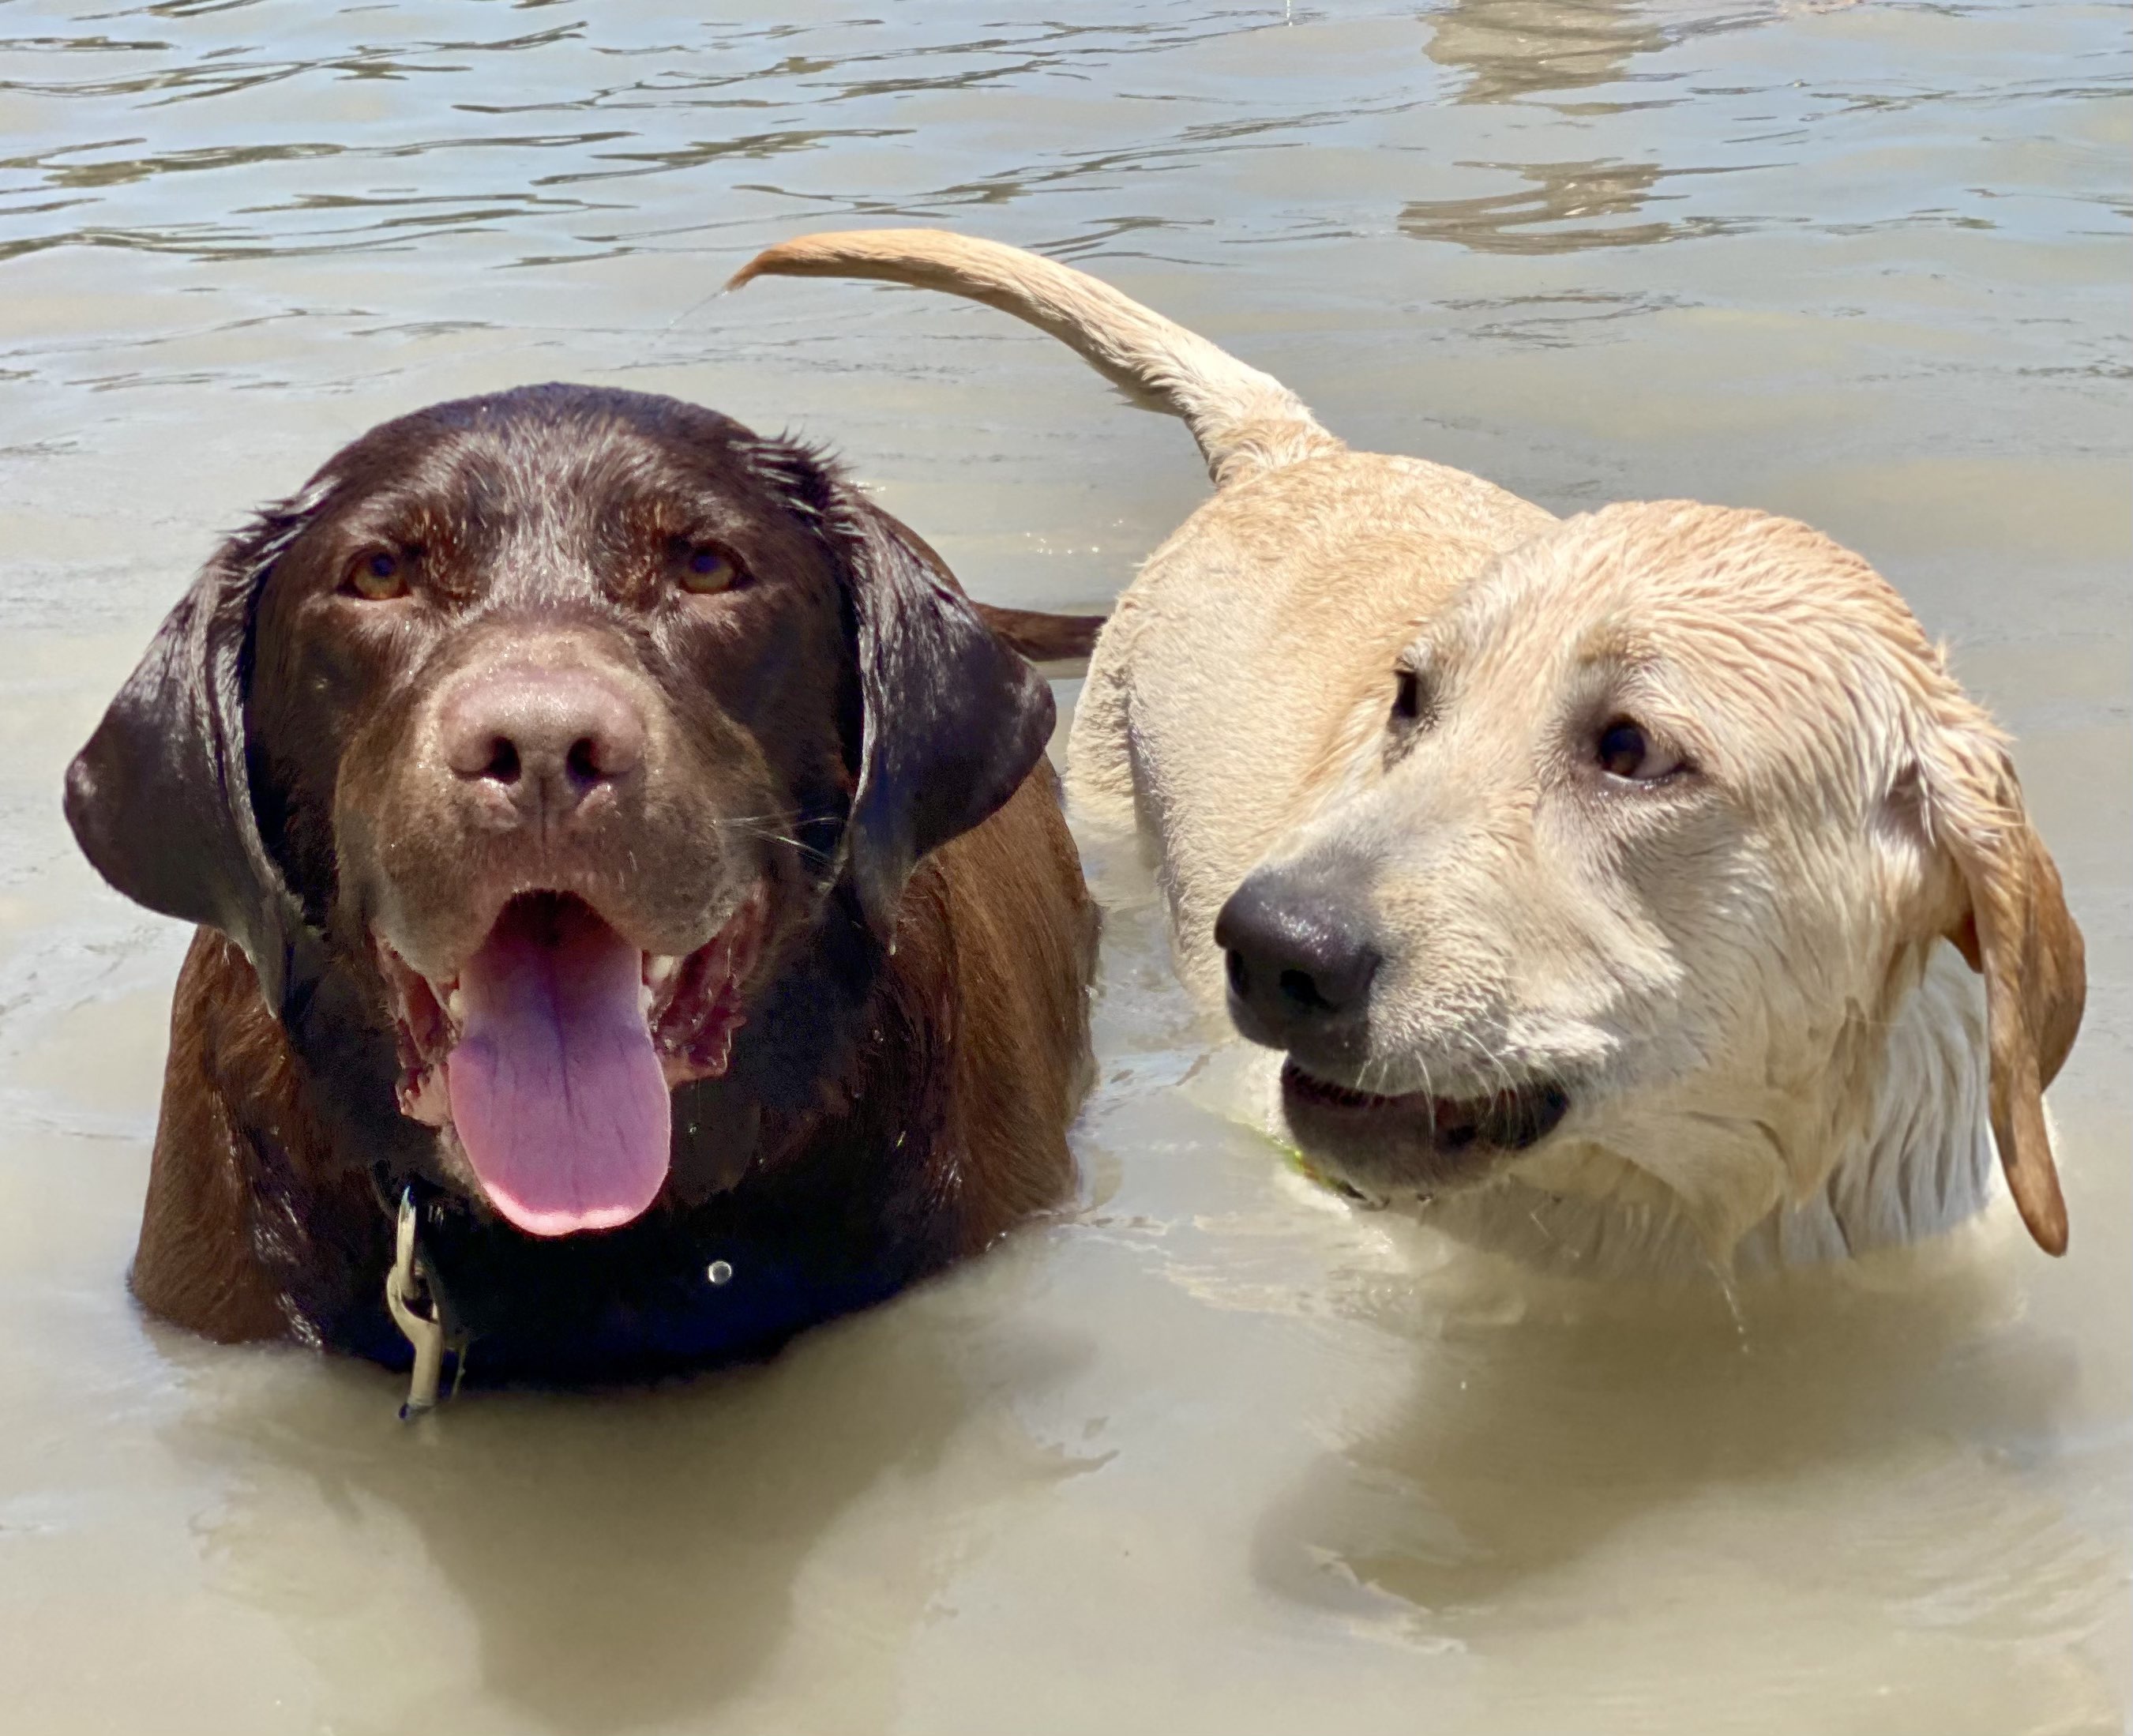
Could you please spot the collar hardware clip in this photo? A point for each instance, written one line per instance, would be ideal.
(417, 1307)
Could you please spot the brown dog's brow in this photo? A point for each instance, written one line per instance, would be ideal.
(552, 501)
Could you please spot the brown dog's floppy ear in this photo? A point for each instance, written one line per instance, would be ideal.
(2016, 933)
(953, 719)
(160, 801)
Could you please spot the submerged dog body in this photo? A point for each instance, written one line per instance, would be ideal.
(1594, 876)
(605, 824)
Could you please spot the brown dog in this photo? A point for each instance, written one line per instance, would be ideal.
(613, 835)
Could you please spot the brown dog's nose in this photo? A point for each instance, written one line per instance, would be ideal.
(545, 738)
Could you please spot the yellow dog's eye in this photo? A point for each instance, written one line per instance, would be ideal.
(705, 570)
(1624, 750)
(1407, 698)
(1413, 710)
(377, 576)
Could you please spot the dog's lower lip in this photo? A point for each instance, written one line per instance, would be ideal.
(1512, 1119)
(1309, 1085)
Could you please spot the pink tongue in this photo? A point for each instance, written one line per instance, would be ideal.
(555, 1090)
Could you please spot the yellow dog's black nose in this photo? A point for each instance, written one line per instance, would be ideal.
(1300, 958)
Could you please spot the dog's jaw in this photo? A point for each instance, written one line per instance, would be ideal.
(690, 1005)
(1917, 1160)
(1418, 1144)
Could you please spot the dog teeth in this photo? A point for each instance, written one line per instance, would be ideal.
(661, 969)
(456, 1006)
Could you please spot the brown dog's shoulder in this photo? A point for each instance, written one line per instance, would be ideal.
(196, 1263)
(1024, 941)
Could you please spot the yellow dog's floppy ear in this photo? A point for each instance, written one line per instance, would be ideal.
(2017, 934)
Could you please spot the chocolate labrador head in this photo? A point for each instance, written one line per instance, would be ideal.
(544, 728)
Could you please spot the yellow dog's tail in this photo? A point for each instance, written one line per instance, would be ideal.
(1245, 420)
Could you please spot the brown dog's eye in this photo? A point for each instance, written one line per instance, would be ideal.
(705, 570)
(377, 576)
(1626, 751)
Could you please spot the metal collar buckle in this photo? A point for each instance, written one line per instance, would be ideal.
(417, 1307)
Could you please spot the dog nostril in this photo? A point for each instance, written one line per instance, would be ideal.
(583, 761)
(1240, 975)
(1301, 991)
(503, 767)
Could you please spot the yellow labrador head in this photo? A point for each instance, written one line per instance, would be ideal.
(1644, 845)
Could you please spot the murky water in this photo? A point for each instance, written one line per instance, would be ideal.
(1214, 1453)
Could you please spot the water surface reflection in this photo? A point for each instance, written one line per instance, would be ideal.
(1510, 49)
(618, 1562)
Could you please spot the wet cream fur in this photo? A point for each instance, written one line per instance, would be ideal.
(1762, 980)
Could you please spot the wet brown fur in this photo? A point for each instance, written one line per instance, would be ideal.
(995, 940)
(1041, 637)
(917, 1033)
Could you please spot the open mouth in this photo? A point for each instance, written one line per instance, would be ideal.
(1508, 1121)
(550, 1053)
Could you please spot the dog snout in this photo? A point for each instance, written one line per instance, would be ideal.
(1301, 960)
(543, 739)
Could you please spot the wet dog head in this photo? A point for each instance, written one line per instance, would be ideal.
(553, 719)
(1647, 837)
